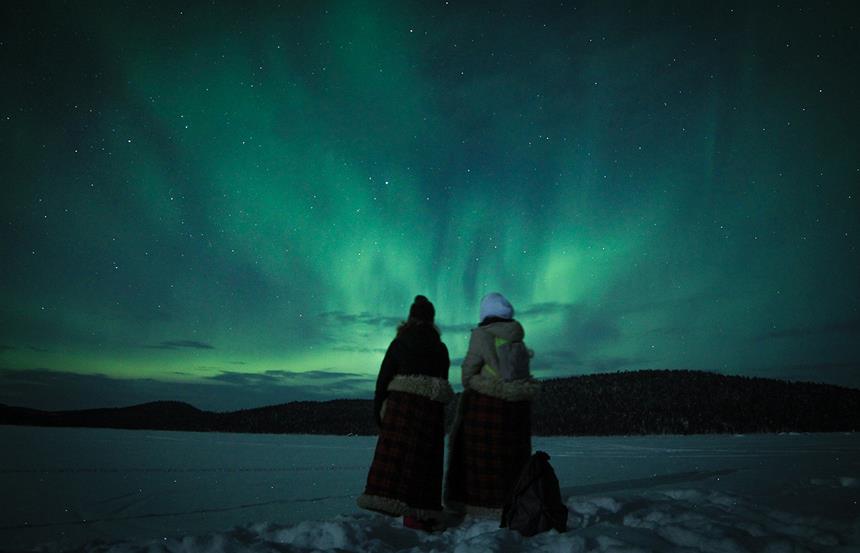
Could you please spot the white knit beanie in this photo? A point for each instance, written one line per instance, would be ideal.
(496, 305)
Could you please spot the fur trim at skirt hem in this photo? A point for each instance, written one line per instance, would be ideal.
(474, 510)
(396, 508)
(406, 473)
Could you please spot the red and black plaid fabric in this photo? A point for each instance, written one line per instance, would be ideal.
(407, 464)
(489, 449)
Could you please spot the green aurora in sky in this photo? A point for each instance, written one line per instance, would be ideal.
(234, 205)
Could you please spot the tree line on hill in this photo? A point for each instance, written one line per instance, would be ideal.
(690, 402)
(624, 403)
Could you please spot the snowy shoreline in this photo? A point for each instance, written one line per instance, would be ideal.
(674, 520)
(374, 436)
(122, 491)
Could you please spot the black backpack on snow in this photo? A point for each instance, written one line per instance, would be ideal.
(535, 504)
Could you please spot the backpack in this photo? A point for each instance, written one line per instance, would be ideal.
(514, 359)
(535, 504)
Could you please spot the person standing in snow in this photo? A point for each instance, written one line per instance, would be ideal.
(490, 439)
(412, 389)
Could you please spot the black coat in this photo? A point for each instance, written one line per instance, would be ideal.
(418, 350)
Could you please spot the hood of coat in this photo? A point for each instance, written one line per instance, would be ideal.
(512, 331)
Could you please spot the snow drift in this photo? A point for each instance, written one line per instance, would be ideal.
(124, 491)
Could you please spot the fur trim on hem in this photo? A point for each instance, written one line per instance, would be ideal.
(474, 510)
(396, 508)
(515, 390)
(434, 389)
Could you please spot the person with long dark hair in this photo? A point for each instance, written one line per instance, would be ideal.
(405, 478)
(490, 439)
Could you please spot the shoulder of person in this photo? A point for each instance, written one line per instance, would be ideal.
(395, 344)
(493, 323)
(480, 332)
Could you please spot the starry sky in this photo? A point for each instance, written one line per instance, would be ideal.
(233, 204)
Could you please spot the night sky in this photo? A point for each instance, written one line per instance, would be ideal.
(234, 205)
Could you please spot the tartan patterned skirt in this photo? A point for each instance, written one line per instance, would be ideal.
(489, 445)
(405, 477)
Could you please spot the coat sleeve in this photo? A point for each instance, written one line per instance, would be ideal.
(387, 371)
(446, 358)
(474, 360)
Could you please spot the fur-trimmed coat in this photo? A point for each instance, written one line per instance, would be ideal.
(482, 351)
(417, 351)
(405, 477)
(490, 439)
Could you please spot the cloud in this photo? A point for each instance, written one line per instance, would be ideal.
(585, 332)
(546, 308)
(352, 332)
(366, 319)
(358, 349)
(38, 350)
(349, 325)
(668, 331)
(4, 348)
(330, 374)
(178, 344)
(832, 327)
(533, 311)
(597, 329)
(555, 359)
(288, 378)
(59, 390)
(456, 328)
(363, 318)
(56, 390)
(247, 379)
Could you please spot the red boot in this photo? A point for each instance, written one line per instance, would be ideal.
(416, 524)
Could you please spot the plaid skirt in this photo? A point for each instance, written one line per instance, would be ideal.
(489, 445)
(405, 477)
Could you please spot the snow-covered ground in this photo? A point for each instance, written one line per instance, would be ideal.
(117, 490)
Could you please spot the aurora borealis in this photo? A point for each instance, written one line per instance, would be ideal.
(233, 204)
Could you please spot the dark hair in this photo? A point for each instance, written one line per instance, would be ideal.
(421, 308)
(421, 313)
(412, 322)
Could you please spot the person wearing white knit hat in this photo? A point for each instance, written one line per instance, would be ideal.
(490, 439)
(496, 305)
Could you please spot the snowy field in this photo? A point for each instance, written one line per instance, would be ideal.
(118, 490)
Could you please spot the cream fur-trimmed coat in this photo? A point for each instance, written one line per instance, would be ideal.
(482, 351)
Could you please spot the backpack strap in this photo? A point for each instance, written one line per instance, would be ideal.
(487, 367)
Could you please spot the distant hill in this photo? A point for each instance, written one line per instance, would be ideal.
(642, 402)
(690, 402)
